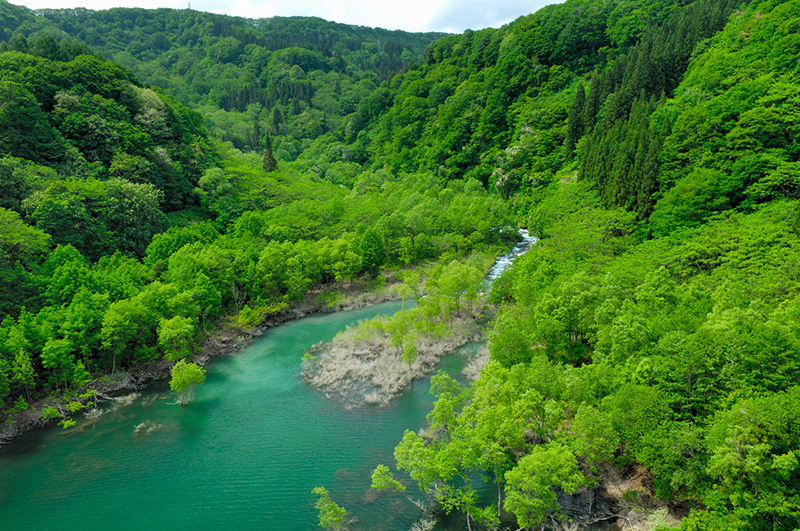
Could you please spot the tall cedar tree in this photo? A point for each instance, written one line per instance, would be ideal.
(576, 126)
(270, 164)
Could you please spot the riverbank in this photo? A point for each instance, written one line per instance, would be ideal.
(246, 453)
(225, 338)
(352, 296)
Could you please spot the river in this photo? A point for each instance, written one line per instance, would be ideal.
(505, 261)
(245, 454)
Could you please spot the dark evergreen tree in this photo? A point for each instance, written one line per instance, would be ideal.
(619, 158)
(270, 164)
(277, 119)
(575, 127)
(46, 46)
(19, 43)
(592, 104)
(648, 184)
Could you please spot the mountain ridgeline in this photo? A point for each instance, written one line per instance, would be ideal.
(167, 174)
(288, 76)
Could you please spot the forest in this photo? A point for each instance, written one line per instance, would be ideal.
(167, 174)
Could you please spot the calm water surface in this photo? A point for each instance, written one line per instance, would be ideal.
(244, 454)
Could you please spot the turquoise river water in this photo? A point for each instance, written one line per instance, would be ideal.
(245, 454)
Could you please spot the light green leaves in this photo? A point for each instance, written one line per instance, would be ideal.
(382, 479)
(185, 376)
(331, 515)
(530, 495)
(373, 252)
(174, 337)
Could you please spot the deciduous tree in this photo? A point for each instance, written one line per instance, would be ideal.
(185, 376)
(331, 515)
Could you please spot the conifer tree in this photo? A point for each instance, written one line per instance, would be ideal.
(270, 164)
(277, 119)
(592, 104)
(575, 128)
(19, 43)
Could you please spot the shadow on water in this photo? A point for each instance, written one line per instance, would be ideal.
(27, 443)
(194, 416)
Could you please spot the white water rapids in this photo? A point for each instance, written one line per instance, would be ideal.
(505, 261)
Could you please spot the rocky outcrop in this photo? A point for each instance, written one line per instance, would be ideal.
(587, 506)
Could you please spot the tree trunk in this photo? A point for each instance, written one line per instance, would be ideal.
(499, 490)
(426, 496)
(466, 509)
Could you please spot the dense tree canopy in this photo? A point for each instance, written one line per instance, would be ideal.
(167, 173)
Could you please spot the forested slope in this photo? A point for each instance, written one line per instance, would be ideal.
(652, 146)
(654, 325)
(652, 328)
(131, 234)
(294, 78)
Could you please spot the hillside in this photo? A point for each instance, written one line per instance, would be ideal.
(132, 235)
(294, 78)
(652, 146)
(651, 327)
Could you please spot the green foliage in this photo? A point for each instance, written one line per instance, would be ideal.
(63, 413)
(754, 464)
(131, 212)
(19, 241)
(509, 342)
(21, 246)
(175, 337)
(93, 120)
(185, 376)
(26, 131)
(373, 252)
(294, 79)
(269, 164)
(118, 312)
(672, 343)
(576, 125)
(19, 406)
(382, 480)
(621, 153)
(418, 459)
(530, 484)
(331, 515)
(69, 222)
(595, 438)
(692, 200)
(651, 146)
